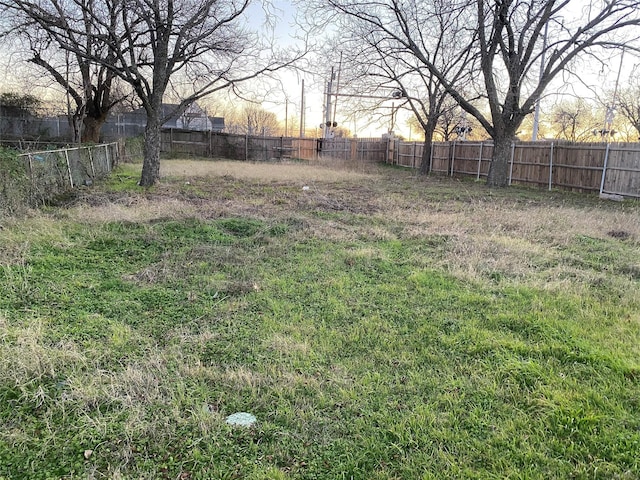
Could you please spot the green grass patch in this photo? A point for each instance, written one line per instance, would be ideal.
(125, 345)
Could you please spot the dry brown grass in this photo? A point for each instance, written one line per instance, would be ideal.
(300, 173)
(513, 233)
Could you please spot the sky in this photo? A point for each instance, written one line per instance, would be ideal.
(594, 78)
(286, 96)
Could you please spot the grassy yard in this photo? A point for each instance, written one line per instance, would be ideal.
(378, 325)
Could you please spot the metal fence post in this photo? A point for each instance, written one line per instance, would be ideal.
(604, 168)
(453, 158)
(106, 157)
(93, 169)
(66, 155)
(413, 154)
(551, 167)
(433, 147)
(513, 154)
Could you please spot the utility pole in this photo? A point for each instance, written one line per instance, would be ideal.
(335, 105)
(536, 115)
(302, 111)
(611, 110)
(327, 123)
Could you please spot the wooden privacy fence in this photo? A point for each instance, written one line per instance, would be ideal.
(260, 148)
(590, 167)
(237, 147)
(373, 150)
(612, 168)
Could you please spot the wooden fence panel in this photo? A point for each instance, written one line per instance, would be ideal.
(441, 157)
(466, 158)
(187, 142)
(408, 154)
(623, 170)
(531, 163)
(335, 148)
(578, 166)
(224, 145)
(269, 148)
(370, 150)
(354, 149)
(304, 148)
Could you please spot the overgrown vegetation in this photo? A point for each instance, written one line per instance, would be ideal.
(14, 183)
(377, 325)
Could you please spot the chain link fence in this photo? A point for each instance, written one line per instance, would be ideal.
(33, 178)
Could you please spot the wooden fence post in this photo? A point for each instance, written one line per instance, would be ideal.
(479, 161)
(551, 167)
(386, 153)
(396, 151)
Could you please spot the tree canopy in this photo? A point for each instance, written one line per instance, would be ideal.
(513, 49)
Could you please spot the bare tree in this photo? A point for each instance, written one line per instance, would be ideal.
(87, 83)
(628, 102)
(252, 119)
(574, 120)
(377, 65)
(521, 46)
(159, 46)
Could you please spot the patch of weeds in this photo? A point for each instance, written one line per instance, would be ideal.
(619, 234)
(192, 231)
(123, 178)
(240, 227)
(15, 185)
(601, 255)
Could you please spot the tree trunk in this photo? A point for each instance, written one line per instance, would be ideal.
(151, 150)
(75, 122)
(425, 164)
(92, 129)
(499, 169)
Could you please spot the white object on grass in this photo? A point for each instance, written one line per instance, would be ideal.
(242, 419)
